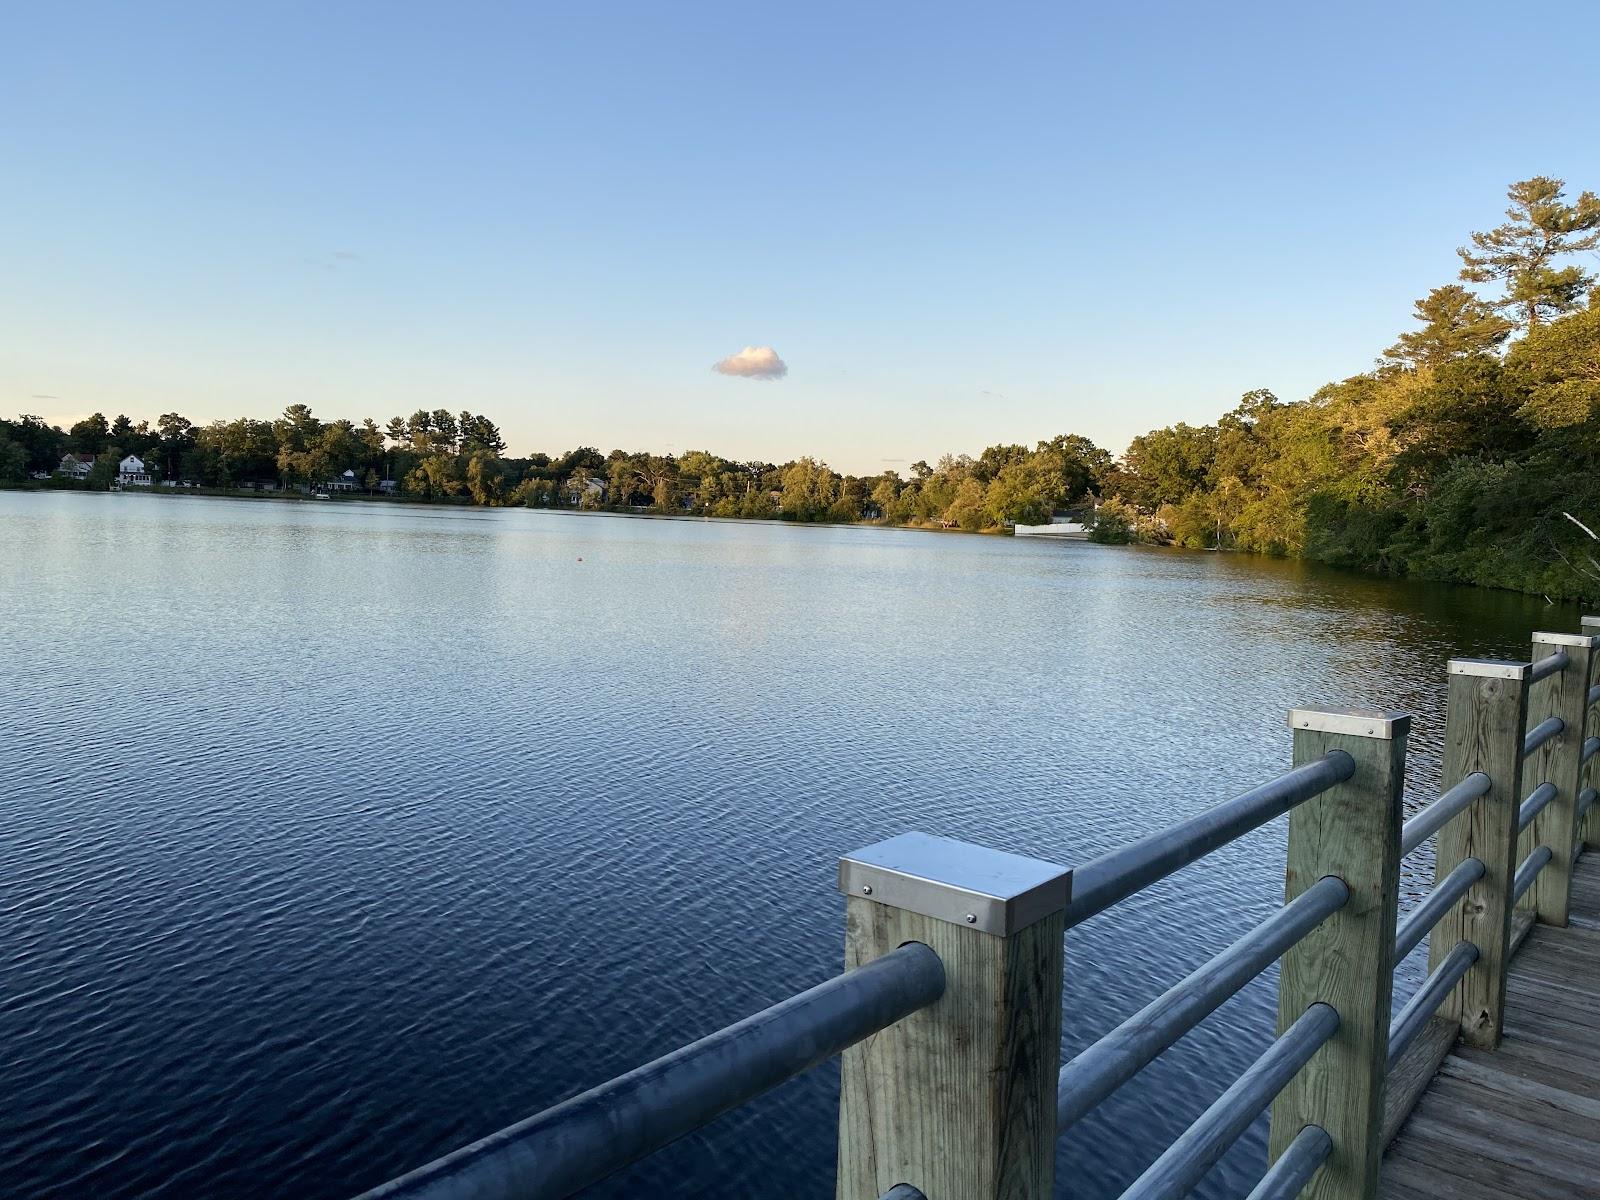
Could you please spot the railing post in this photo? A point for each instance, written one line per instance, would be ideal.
(1589, 828)
(1485, 717)
(959, 1099)
(1351, 831)
(1559, 762)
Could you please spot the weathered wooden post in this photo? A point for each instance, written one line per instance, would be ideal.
(1589, 827)
(1559, 762)
(1486, 714)
(959, 1099)
(1351, 831)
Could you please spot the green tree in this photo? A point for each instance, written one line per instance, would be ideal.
(968, 509)
(809, 490)
(90, 435)
(480, 435)
(486, 478)
(176, 440)
(1556, 369)
(1455, 323)
(13, 461)
(299, 455)
(1165, 465)
(1521, 255)
(886, 497)
(44, 444)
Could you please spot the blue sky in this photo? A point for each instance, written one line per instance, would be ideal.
(956, 224)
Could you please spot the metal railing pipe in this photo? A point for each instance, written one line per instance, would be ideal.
(1445, 896)
(1420, 1008)
(1586, 799)
(1440, 813)
(1542, 733)
(1100, 1069)
(1529, 871)
(1099, 884)
(1188, 1159)
(1594, 695)
(579, 1141)
(1287, 1177)
(1591, 747)
(1535, 804)
(1551, 664)
(902, 1191)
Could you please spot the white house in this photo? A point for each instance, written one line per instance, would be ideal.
(131, 472)
(579, 490)
(342, 483)
(77, 466)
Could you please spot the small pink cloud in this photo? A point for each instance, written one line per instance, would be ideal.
(753, 362)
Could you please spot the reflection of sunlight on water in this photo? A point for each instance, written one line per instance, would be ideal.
(346, 832)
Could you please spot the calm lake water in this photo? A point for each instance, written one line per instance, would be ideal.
(339, 834)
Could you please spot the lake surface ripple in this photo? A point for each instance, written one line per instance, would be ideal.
(339, 834)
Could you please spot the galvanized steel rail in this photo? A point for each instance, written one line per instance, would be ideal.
(1117, 1057)
(1542, 733)
(1537, 801)
(1421, 1007)
(586, 1138)
(1551, 665)
(1188, 1159)
(1447, 893)
(1100, 883)
(1287, 1177)
(1442, 811)
(1529, 871)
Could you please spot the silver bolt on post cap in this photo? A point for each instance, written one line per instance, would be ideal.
(1490, 668)
(989, 890)
(1578, 641)
(1356, 722)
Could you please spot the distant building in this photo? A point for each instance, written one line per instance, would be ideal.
(76, 466)
(342, 483)
(580, 489)
(131, 472)
(388, 487)
(1059, 527)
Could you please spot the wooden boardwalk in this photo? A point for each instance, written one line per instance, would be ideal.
(1522, 1120)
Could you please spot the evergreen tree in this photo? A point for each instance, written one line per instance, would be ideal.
(1455, 323)
(1521, 254)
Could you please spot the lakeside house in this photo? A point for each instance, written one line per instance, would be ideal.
(76, 466)
(388, 487)
(577, 489)
(131, 472)
(346, 482)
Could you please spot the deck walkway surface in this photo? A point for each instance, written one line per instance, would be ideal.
(1522, 1120)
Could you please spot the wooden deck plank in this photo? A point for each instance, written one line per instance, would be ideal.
(1521, 1122)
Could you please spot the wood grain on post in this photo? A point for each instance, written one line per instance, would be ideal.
(1559, 762)
(1486, 714)
(959, 1099)
(1351, 831)
(1589, 828)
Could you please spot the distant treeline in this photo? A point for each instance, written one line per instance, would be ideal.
(1471, 452)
